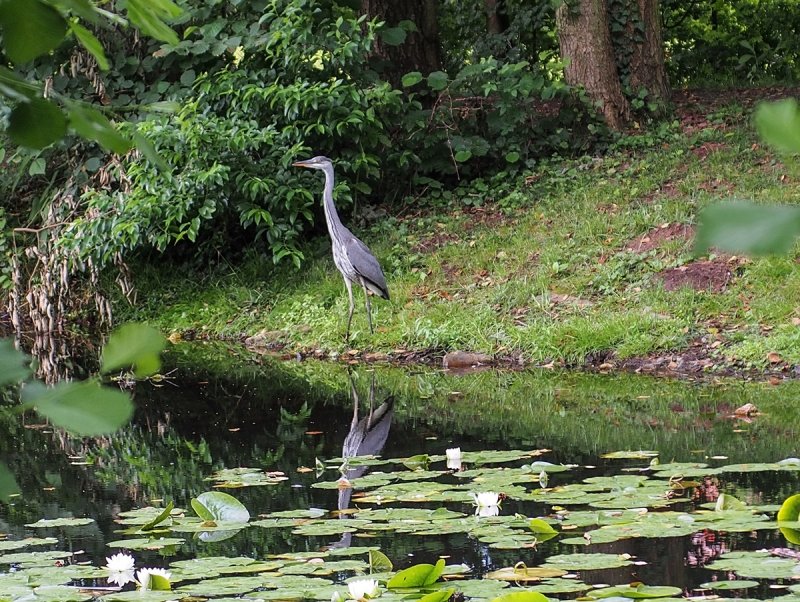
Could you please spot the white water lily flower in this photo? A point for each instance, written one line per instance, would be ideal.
(487, 510)
(361, 589)
(119, 563)
(453, 453)
(453, 458)
(486, 500)
(120, 578)
(143, 577)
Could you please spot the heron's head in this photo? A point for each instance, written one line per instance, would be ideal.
(318, 162)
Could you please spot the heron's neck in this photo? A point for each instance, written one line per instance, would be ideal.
(331, 215)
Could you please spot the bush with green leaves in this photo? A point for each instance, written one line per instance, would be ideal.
(299, 89)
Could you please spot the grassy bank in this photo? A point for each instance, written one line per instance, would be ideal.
(584, 258)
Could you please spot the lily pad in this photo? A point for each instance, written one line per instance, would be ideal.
(637, 591)
(48, 523)
(588, 562)
(146, 543)
(219, 506)
(727, 584)
(418, 575)
(521, 573)
(16, 544)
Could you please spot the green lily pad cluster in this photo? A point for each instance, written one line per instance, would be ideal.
(418, 497)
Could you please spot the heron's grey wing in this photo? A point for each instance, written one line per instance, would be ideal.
(364, 262)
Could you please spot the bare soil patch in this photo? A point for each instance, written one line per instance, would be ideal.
(657, 236)
(712, 275)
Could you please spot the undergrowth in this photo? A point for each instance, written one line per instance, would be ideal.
(538, 265)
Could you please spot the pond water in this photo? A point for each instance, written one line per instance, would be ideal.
(550, 444)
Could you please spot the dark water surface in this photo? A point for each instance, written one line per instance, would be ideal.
(224, 408)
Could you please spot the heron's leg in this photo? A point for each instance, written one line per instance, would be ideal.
(349, 286)
(369, 309)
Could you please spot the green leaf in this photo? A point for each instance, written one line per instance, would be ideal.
(437, 80)
(83, 408)
(159, 583)
(418, 462)
(512, 157)
(418, 575)
(135, 345)
(149, 15)
(144, 146)
(743, 227)
(218, 506)
(438, 596)
(37, 167)
(8, 486)
(83, 8)
(379, 562)
(537, 525)
(463, 155)
(91, 43)
(36, 123)
(779, 124)
(411, 79)
(393, 36)
(790, 511)
(13, 363)
(13, 87)
(30, 28)
(93, 125)
(158, 519)
(726, 502)
(521, 597)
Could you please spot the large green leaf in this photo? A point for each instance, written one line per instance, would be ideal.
(744, 227)
(418, 575)
(30, 28)
(437, 80)
(135, 345)
(13, 87)
(218, 506)
(91, 43)
(790, 511)
(149, 16)
(13, 367)
(83, 408)
(779, 124)
(36, 123)
(93, 125)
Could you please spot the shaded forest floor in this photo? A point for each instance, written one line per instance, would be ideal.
(581, 262)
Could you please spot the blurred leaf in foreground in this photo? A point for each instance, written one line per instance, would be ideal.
(779, 124)
(744, 227)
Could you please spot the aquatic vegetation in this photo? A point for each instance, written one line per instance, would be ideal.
(409, 496)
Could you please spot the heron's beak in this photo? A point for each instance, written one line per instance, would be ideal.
(299, 164)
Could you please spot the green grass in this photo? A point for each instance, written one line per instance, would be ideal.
(558, 232)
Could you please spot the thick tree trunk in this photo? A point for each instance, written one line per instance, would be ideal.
(494, 22)
(647, 60)
(420, 51)
(585, 43)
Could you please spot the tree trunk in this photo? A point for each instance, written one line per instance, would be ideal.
(420, 51)
(494, 21)
(585, 43)
(647, 61)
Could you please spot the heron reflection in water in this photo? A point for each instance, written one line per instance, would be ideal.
(366, 437)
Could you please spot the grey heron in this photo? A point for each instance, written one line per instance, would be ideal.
(353, 259)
